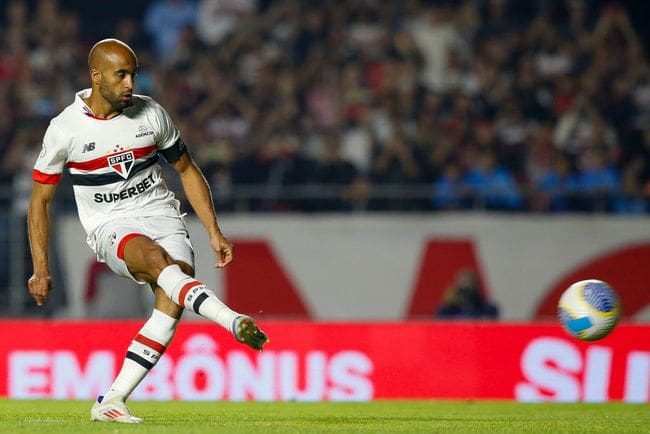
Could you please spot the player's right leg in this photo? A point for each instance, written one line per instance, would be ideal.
(192, 294)
(161, 262)
(129, 249)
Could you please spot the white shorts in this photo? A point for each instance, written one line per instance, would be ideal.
(168, 232)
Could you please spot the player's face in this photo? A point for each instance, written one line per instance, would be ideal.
(118, 80)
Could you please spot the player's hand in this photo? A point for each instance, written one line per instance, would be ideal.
(39, 288)
(224, 249)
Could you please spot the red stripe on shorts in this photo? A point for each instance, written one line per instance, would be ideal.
(122, 244)
(185, 290)
(158, 347)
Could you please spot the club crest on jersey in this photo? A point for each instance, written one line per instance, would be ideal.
(122, 163)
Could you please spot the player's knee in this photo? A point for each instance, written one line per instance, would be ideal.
(157, 260)
(185, 268)
(147, 259)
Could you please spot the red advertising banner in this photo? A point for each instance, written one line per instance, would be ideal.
(308, 361)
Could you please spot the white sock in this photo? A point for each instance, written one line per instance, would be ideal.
(144, 352)
(193, 295)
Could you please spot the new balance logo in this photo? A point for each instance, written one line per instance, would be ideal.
(88, 147)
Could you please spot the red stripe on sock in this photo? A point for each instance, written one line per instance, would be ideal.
(185, 290)
(122, 244)
(158, 347)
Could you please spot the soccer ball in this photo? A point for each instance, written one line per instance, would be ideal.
(589, 309)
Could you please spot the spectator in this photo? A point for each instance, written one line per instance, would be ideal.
(557, 187)
(357, 141)
(436, 36)
(336, 173)
(633, 199)
(217, 19)
(165, 21)
(312, 33)
(449, 190)
(497, 21)
(450, 79)
(598, 181)
(466, 299)
(582, 128)
(491, 185)
(396, 165)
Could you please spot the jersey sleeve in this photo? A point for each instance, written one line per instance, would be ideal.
(167, 136)
(54, 154)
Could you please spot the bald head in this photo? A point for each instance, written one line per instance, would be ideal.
(113, 66)
(108, 49)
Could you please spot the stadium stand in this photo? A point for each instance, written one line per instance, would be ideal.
(359, 106)
(364, 105)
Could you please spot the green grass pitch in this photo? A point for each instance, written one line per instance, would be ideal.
(53, 417)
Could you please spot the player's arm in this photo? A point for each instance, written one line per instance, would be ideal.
(198, 194)
(38, 229)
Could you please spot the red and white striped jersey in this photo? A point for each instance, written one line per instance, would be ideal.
(113, 163)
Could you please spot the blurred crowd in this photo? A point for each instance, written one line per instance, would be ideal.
(365, 104)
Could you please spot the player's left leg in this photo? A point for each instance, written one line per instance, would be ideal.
(149, 343)
(147, 346)
(142, 355)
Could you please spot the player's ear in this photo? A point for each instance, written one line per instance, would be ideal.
(95, 76)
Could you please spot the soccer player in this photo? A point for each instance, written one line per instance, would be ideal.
(110, 139)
